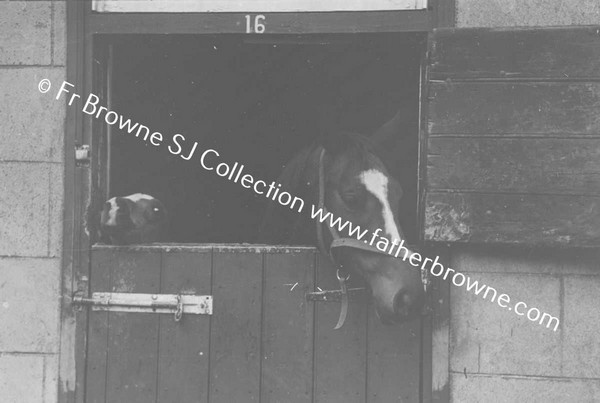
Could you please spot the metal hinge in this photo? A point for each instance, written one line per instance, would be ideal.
(82, 153)
(177, 304)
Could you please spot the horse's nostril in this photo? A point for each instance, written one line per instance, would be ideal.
(402, 303)
(385, 318)
(399, 306)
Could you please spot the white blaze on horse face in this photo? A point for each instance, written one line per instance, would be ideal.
(112, 213)
(138, 196)
(377, 183)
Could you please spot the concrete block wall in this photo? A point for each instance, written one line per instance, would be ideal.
(495, 355)
(32, 47)
(517, 13)
(498, 356)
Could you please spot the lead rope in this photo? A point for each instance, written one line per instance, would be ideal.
(344, 289)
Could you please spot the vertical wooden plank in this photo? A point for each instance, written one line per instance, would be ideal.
(444, 13)
(440, 355)
(183, 346)
(393, 361)
(426, 357)
(97, 347)
(74, 329)
(81, 242)
(434, 362)
(340, 355)
(287, 338)
(133, 337)
(236, 329)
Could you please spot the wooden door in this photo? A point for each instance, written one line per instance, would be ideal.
(513, 136)
(263, 343)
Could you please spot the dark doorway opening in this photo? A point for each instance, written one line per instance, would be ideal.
(257, 100)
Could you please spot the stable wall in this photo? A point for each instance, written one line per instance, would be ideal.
(530, 13)
(506, 357)
(495, 355)
(32, 47)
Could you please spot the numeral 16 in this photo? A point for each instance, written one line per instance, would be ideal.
(258, 27)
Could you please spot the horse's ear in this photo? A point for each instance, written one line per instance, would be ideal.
(392, 139)
(392, 128)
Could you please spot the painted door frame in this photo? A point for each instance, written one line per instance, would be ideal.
(83, 29)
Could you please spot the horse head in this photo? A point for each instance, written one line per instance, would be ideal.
(358, 188)
(344, 176)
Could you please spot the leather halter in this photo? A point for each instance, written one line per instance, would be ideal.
(337, 240)
(341, 242)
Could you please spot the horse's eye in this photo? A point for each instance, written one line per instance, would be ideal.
(352, 199)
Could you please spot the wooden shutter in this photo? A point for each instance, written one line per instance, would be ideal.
(513, 136)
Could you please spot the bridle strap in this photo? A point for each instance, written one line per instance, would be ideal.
(337, 240)
(342, 277)
(321, 204)
(344, 305)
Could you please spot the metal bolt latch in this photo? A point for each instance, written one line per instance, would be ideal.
(177, 304)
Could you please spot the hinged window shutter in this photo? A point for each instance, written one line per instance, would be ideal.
(513, 137)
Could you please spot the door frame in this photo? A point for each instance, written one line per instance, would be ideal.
(83, 27)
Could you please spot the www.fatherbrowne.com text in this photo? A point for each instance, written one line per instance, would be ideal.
(397, 249)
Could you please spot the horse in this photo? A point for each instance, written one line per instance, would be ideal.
(342, 173)
(134, 219)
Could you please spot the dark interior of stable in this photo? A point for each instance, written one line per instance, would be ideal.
(257, 100)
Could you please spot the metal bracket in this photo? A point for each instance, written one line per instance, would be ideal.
(82, 154)
(332, 295)
(147, 303)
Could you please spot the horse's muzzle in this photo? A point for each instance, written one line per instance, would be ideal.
(405, 308)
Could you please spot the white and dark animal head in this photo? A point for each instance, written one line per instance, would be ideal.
(344, 175)
(133, 219)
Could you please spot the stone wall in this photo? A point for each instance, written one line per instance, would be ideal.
(32, 47)
(516, 13)
(496, 355)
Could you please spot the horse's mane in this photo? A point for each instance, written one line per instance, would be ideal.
(300, 178)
